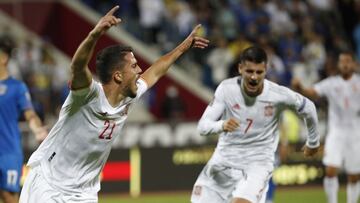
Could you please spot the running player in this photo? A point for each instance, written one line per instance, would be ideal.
(245, 111)
(14, 102)
(342, 144)
(67, 165)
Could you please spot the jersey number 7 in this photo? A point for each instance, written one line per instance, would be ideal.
(249, 121)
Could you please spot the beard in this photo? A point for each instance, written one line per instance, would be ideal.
(132, 93)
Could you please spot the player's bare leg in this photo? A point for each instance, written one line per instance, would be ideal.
(9, 197)
(240, 200)
(331, 184)
(352, 188)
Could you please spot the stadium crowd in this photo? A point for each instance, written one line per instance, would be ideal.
(302, 39)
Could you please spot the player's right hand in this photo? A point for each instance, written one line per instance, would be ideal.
(106, 22)
(230, 125)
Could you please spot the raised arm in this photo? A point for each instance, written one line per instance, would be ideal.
(161, 66)
(80, 74)
(307, 92)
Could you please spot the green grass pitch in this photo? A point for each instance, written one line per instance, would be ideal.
(282, 195)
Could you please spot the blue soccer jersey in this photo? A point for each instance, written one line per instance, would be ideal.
(14, 99)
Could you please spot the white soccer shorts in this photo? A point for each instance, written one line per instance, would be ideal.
(219, 184)
(342, 150)
(37, 190)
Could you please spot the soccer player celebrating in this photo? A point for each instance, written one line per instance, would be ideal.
(245, 111)
(14, 101)
(342, 144)
(66, 166)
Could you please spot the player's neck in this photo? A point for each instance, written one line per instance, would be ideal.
(348, 76)
(249, 100)
(113, 95)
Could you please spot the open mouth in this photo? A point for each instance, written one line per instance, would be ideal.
(252, 85)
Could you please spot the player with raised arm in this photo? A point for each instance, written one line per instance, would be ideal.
(245, 112)
(67, 165)
(14, 102)
(342, 144)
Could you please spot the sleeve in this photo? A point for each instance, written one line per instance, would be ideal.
(307, 111)
(84, 95)
(84, 91)
(322, 87)
(210, 122)
(24, 100)
(142, 87)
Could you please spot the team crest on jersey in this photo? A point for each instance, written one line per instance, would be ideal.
(3, 89)
(125, 111)
(269, 110)
(197, 190)
(236, 106)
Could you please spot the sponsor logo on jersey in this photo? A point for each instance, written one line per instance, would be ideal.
(269, 110)
(125, 111)
(52, 156)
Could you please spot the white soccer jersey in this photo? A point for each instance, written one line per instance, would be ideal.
(76, 149)
(344, 103)
(257, 137)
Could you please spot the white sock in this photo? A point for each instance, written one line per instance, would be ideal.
(352, 192)
(331, 187)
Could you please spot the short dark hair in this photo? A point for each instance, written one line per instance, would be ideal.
(253, 54)
(348, 52)
(6, 45)
(108, 59)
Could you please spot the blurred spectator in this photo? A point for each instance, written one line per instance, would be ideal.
(305, 73)
(289, 48)
(176, 25)
(173, 107)
(226, 20)
(28, 56)
(314, 52)
(151, 15)
(276, 67)
(280, 20)
(356, 36)
(322, 5)
(219, 60)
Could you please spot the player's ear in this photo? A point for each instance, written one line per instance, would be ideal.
(118, 77)
(240, 68)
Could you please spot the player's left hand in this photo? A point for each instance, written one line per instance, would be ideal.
(310, 152)
(106, 22)
(193, 40)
